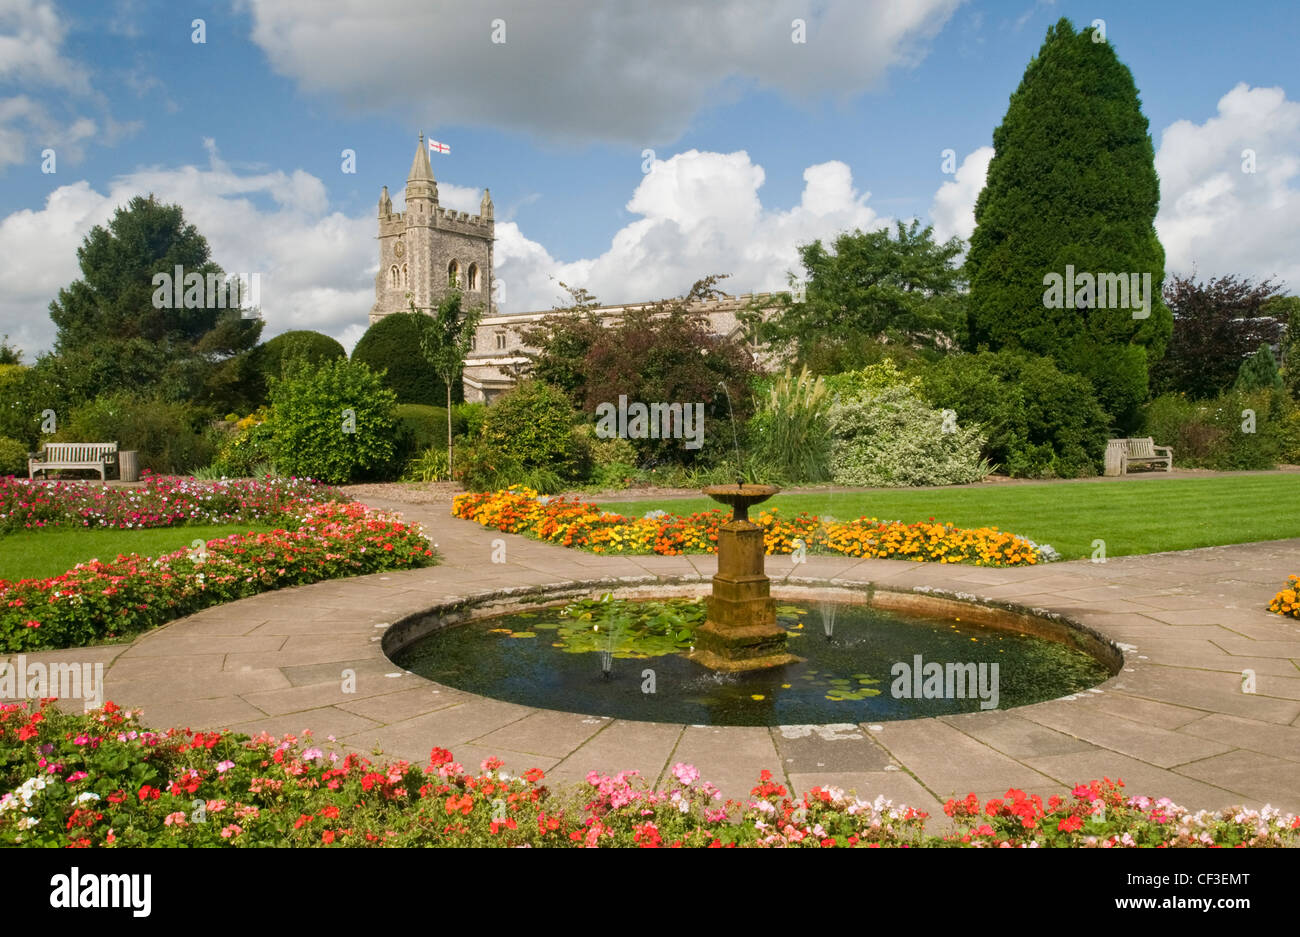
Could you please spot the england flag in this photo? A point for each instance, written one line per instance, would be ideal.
(436, 147)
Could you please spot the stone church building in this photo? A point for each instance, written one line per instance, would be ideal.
(425, 250)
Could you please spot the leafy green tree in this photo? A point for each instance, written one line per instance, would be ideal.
(1072, 183)
(392, 345)
(112, 333)
(333, 421)
(1287, 309)
(8, 353)
(1259, 372)
(663, 352)
(564, 339)
(445, 340)
(904, 288)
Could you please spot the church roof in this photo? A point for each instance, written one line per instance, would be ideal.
(421, 171)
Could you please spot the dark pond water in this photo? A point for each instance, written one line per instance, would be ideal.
(874, 666)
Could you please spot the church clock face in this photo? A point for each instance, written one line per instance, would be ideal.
(398, 250)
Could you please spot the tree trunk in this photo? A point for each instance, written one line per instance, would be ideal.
(448, 383)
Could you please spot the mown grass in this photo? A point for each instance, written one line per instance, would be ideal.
(1135, 516)
(39, 554)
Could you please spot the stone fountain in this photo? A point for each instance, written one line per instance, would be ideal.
(741, 632)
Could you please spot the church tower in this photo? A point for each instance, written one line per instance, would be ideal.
(425, 250)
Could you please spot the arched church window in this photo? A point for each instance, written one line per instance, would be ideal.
(405, 280)
(453, 274)
(473, 276)
(392, 277)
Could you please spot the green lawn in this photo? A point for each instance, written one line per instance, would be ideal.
(1139, 516)
(38, 554)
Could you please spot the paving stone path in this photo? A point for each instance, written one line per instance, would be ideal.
(1174, 722)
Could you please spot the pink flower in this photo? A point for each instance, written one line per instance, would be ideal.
(175, 819)
(233, 829)
(224, 766)
(687, 774)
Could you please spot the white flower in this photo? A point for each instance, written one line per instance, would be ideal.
(85, 796)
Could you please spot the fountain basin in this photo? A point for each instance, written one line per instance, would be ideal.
(848, 679)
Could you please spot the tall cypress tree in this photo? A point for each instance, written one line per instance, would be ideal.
(1072, 182)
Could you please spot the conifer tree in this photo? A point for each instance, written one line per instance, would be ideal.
(1072, 182)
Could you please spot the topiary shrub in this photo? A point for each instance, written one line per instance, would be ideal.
(892, 439)
(13, 457)
(334, 422)
(1040, 421)
(392, 345)
(167, 435)
(420, 428)
(313, 347)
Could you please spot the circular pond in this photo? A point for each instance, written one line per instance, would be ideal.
(624, 658)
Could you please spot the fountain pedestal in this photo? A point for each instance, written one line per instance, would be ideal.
(741, 632)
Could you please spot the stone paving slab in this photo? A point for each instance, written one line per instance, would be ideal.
(645, 747)
(1174, 722)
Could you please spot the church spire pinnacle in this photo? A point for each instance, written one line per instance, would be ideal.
(421, 171)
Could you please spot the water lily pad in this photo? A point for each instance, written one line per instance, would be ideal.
(524, 634)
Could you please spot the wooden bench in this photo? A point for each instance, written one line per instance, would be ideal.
(95, 456)
(1121, 453)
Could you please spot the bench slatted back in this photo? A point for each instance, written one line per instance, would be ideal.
(78, 451)
(1142, 448)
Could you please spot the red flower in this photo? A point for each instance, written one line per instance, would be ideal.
(327, 836)
(439, 756)
(1070, 824)
(149, 793)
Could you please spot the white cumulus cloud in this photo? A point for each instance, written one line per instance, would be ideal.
(586, 70)
(953, 209)
(1216, 218)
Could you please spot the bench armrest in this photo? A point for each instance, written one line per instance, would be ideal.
(1168, 450)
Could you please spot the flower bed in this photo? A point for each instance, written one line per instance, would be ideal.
(100, 779)
(573, 523)
(159, 502)
(97, 600)
(1287, 602)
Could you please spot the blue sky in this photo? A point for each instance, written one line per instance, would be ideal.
(762, 143)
